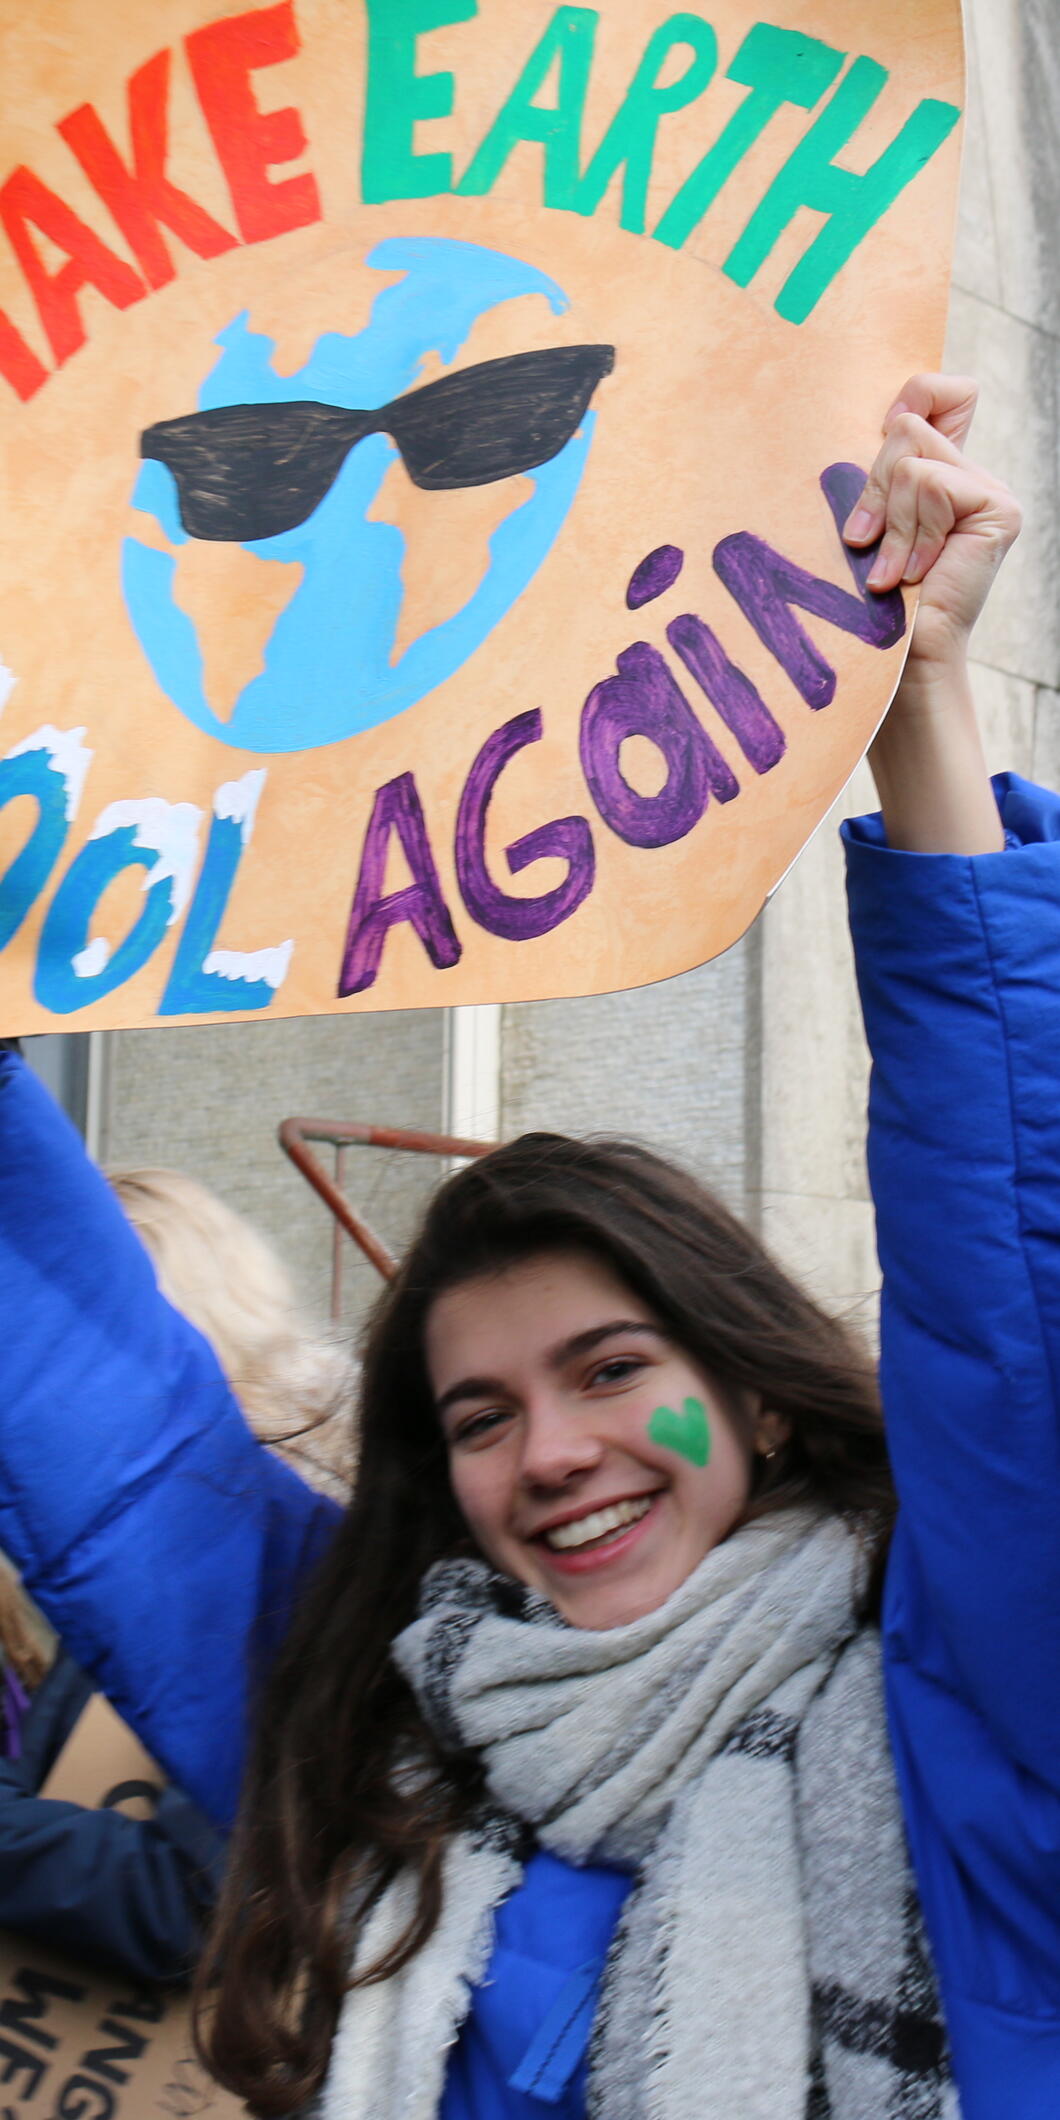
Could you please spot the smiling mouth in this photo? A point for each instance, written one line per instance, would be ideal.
(597, 1529)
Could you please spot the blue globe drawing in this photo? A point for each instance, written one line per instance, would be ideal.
(327, 671)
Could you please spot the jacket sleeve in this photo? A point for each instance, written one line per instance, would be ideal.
(101, 1886)
(959, 970)
(107, 1889)
(165, 1545)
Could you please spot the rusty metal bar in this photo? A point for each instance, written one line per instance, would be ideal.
(337, 1247)
(295, 1136)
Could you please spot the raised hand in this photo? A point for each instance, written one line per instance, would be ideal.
(944, 526)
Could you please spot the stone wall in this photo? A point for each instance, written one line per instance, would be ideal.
(209, 1100)
(1004, 329)
(672, 1064)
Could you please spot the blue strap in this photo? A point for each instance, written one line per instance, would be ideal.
(559, 2043)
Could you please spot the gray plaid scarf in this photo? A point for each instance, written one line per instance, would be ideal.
(730, 1748)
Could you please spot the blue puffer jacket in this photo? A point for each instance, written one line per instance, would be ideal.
(164, 1544)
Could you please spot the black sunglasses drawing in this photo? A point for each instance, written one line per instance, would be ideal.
(250, 471)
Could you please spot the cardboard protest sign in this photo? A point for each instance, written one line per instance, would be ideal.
(77, 2043)
(425, 427)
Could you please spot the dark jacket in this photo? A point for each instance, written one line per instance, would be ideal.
(100, 1886)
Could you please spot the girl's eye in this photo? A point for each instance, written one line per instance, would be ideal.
(478, 1427)
(617, 1369)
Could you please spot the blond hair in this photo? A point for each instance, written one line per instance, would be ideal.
(294, 1379)
(27, 1642)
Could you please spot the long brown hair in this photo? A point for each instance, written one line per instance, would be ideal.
(345, 1785)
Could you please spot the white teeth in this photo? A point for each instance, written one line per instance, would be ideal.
(602, 1522)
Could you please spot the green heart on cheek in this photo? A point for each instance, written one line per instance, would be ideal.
(687, 1432)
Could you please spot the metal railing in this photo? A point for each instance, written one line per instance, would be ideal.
(299, 1136)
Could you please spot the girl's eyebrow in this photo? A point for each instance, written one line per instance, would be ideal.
(468, 1388)
(584, 1342)
(557, 1358)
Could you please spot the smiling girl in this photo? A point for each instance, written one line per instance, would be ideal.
(566, 1462)
(573, 1789)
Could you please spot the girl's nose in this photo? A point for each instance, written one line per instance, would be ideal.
(558, 1445)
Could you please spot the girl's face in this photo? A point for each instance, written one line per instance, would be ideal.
(589, 1456)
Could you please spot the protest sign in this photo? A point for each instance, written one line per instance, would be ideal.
(78, 2043)
(425, 429)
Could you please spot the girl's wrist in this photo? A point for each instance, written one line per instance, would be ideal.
(937, 666)
(931, 689)
(930, 769)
